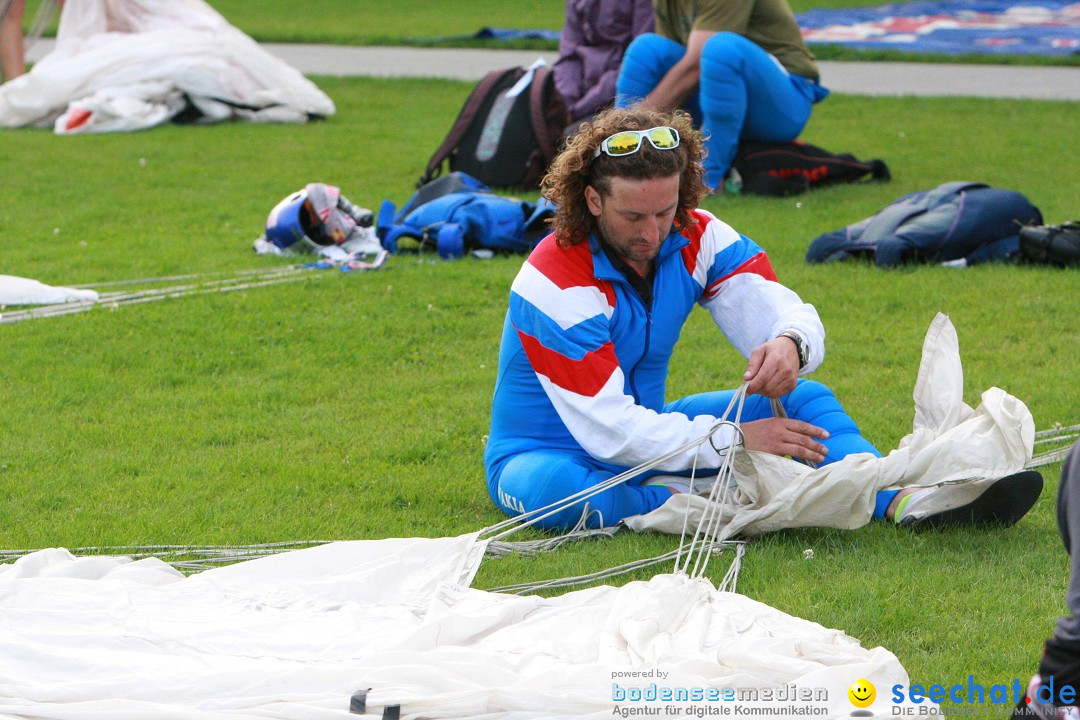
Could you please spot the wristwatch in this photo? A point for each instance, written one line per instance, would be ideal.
(800, 346)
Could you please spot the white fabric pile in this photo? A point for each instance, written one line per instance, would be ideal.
(950, 443)
(24, 291)
(297, 635)
(132, 64)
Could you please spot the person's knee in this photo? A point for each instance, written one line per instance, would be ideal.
(649, 45)
(724, 52)
(532, 481)
(809, 395)
(813, 402)
(648, 58)
(816, 404)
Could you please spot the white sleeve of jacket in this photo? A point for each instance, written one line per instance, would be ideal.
(744, 298)
(564, 333)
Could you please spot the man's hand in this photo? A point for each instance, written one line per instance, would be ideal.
(784, 436)
(773, 368)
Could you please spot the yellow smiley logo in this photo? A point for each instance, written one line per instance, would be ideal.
(861, 693)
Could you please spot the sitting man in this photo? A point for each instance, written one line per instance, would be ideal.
(594, 316)
(739, 67)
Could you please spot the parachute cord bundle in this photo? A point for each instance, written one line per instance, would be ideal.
(190, 285)
(1058, 435)
(698, 549)
(186, 558)
(708, 528)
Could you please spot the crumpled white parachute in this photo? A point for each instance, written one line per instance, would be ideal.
(950, 443)
(25, 291)
(120, 66)
(297, 635)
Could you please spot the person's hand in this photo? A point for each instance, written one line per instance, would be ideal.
(784, 436)
(773, 368)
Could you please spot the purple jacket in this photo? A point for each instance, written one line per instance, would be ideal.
(594, 38)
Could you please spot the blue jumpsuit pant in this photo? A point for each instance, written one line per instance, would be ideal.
(531, 480)
(743, 92)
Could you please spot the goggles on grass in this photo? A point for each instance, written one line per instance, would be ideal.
(628, 142)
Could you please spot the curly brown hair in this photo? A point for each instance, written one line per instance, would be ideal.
(575, 168)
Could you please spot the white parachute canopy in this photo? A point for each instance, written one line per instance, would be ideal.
(950, 444)
(298, 635)
(134, 64)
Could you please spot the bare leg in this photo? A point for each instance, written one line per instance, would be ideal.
(12, 58)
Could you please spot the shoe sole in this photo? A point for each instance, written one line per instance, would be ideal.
(1002, 505)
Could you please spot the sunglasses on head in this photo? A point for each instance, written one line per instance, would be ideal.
(628, 142)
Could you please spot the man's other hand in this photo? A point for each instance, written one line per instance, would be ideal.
(784, 436)
(773, 368)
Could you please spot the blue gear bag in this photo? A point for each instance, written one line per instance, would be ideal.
(457, 214)
(961, 223)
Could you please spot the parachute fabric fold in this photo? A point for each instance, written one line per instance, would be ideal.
(296, 635)
(131, 65)
(949, 443)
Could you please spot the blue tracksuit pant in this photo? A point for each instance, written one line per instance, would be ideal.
(743, 91)
(538, 478)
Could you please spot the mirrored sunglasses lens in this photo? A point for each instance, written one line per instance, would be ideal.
(622, 143)
(664, 138)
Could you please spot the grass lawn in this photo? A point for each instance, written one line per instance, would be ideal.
(354, 406)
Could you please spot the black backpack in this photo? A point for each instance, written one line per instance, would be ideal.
(791, 168)
(504, 141)
(1051, 244)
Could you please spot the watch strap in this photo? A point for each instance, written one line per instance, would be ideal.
(800, 346)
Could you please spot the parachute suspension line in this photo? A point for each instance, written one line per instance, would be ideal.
(1057, 432)
(186, 558)
(727, 585)
(189, 276)
(731, 577)
(529, 548)
(698, 549)
(516, 523)
(113, 300)
(686, 519)
(1055, 435)
(523, 588)
(736, 403)
(709, 525)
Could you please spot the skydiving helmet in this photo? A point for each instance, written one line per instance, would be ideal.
(315, 217)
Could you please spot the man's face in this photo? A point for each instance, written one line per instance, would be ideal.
(636, 216)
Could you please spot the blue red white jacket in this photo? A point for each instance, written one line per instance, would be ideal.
(583, 363)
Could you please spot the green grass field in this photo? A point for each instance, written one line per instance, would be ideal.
(354, 406)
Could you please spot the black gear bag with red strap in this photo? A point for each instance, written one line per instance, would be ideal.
(508, 131)
(791, 168)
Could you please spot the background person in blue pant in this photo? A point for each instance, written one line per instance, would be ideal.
(739, 67)
(595, 313)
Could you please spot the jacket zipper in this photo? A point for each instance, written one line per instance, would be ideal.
(648, 338)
